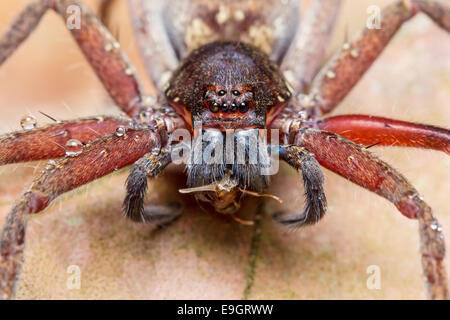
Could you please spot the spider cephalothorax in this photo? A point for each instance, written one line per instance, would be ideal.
(228, 74)
(227, 85)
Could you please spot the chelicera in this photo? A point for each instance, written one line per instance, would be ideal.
(214, 74)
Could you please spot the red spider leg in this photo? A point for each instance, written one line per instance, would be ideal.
(348, 65)
(49, 142)
(307, 51)
(357, 164)
(100, 48)
(97, 159)
(371, 130)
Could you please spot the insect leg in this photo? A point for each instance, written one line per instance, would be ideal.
(49, 142)
(150, 165)
(355, 163)
(370, 130)
(316, 204)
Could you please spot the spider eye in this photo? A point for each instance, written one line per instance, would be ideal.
(214, 107)
(236, 93)
(243, 107)
(222, 92)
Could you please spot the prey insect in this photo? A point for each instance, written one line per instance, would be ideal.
(214, 72)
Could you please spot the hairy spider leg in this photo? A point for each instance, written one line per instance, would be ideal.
(371, 130)
(149, 166)
(355, 163)
(49, 142)
(348, 65)
(95, 41)
(99, 158)
(316, 203)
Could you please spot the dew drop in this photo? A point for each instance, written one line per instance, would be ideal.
(354, 53)
(50, 165)
(129, 71)
(434, 225)
(331, 75)
(120, 132)
(74, 148)
(108, 47)
(346, 46)
(28, 123)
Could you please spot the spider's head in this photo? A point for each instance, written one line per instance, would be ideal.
(228, 87)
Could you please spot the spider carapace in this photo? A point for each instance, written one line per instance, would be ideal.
(228, 90)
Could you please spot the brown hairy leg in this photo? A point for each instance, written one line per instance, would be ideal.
(348, 65)
(371, 130)
(307, 52)
(49, 142)
(355, 163)
(99, 47)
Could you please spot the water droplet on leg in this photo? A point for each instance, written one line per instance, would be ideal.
(28, 123)
(331, 75)
(120, 132)
(50, 165)
(73, 148)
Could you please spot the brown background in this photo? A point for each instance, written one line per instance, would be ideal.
(203, 255)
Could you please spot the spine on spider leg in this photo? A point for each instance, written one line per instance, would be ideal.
(370, 130)
(49, 142)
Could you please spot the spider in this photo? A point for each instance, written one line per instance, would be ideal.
(234, 73)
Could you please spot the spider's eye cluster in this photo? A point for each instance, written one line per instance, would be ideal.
(230, 101)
